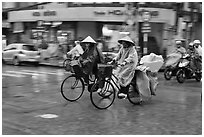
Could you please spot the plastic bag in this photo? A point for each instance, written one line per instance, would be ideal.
(153, 62)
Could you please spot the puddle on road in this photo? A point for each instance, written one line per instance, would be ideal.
(47, 116)
(37, 91)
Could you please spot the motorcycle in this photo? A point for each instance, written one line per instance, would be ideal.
(185, 71)
(171, 65)
(170, 71)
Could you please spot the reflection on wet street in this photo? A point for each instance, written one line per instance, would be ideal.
(32, 104)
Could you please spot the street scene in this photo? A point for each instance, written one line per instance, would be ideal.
(28, 93)
(101, 68)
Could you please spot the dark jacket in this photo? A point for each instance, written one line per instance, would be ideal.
(90, 58)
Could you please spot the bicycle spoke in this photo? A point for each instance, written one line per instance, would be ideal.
(105, 98)
(72, 88)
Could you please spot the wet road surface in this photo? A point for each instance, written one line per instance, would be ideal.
(28, 93)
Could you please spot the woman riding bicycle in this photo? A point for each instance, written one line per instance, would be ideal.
(90, 58)
(127, 59)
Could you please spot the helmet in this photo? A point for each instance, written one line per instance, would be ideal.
(196, 41)
(126, 39)
(178, 42)
(191, 44)
(88, 40)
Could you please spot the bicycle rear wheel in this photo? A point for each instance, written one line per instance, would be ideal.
(72, 88)
(133, 95)
(105, 98)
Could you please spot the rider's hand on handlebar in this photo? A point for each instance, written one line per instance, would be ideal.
(111, 62)
(123, 64)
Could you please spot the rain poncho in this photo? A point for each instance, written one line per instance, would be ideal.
(126, 73)
(147, 81)
(90, 58)
(173, 58)
(152, 61)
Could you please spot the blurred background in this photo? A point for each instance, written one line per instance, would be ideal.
(56, 25)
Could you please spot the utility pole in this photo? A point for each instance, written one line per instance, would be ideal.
(132, 21)
(146, 28)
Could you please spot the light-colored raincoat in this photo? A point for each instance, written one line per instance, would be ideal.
(147, 81)
(126, 73)
(173, 58)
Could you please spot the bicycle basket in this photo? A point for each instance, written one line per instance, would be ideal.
(75, 64)
(105, 70)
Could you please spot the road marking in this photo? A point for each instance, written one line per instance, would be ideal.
(37, 91)
(12, 75)
(25, 73)
(47, 116)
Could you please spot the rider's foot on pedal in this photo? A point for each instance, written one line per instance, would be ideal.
(122, 96)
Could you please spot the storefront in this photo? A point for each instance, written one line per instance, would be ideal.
(65, 24)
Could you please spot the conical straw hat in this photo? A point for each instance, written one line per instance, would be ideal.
(127, 38)
(88, 40)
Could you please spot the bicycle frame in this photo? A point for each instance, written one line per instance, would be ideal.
(114, 83)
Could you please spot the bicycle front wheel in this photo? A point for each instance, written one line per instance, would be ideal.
(72, 88)
(103, 98)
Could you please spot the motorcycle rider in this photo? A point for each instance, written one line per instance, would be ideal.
(197, 46)
(198, 55)
(179, 48)
(191, 51)
(176, 55)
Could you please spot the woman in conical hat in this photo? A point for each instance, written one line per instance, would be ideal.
(128, 40)
(91, 57)
(128, 59)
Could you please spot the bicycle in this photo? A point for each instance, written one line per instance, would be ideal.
(72, 87)
(66, 62)
(102, 100)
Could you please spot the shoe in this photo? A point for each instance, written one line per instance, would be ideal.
(103, 93)
(122, 96)
(89, 87)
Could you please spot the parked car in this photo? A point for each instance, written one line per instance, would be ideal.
(20, 52)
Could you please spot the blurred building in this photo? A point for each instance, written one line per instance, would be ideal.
(65, 21)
